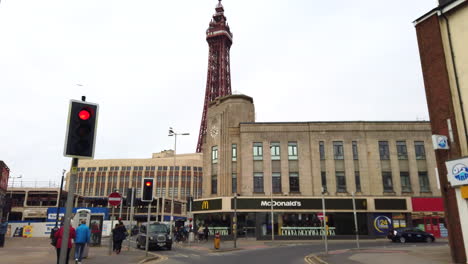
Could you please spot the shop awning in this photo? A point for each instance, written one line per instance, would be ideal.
(427, 204)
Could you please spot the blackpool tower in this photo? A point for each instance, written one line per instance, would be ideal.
(218, 81)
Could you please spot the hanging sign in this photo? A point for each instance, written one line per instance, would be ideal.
(440, 142)
(457, 171)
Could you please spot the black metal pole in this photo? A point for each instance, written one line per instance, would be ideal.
(59, 199)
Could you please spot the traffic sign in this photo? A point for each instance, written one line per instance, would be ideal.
(115, 199)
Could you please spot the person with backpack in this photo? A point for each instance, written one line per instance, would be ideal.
(83, 235)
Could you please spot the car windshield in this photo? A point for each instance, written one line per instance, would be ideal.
(158, 228)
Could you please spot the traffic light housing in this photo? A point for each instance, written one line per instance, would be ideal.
(81, 129)
(147, 193)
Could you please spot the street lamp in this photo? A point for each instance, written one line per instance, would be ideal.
(174, 134)
(11, 193)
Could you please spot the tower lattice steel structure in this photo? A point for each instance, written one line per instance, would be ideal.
(218, 82)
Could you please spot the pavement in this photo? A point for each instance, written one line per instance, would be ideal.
(411, 253)
(40, 251)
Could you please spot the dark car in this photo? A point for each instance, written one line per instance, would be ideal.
(158, 236)
(403, 235)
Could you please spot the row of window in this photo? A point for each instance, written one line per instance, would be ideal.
(140, 168)
(294, 186)
(338, 151)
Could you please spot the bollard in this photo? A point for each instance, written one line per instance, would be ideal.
(217, 240)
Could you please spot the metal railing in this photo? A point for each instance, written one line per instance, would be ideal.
(19, 183)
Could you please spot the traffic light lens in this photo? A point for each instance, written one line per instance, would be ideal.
(148, 183)
(84, 114)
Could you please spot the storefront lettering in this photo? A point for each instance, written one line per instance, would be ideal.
(306, 231)
(281, 203)
(205, 205)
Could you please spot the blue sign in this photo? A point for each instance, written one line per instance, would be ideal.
(382, 223)
(457, 171)
(52, 212)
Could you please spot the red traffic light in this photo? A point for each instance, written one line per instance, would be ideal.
(148, 183)
(84, 114)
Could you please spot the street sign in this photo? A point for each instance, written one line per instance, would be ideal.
(457, 171)
(440, 142)
(115, 199)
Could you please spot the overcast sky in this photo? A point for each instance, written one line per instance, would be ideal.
(145, 63)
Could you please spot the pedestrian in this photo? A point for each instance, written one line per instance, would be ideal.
(82, 238)
(118, 235)
(205, 232)
(58, 235)
(3, 230)
(95, 233)
(200, 233)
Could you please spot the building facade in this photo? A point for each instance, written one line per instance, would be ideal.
(4, 175)
(386, 166)
(442, 37)
(96, 179)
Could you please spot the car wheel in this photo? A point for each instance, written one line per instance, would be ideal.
(429, 239)
(138, 244)
(402, 240)
(169, 247)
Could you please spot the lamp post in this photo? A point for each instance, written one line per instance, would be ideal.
(271, 200)
(11, 193)
(174, 134)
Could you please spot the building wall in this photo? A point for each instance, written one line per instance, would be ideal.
(234, 118)
(96, 177)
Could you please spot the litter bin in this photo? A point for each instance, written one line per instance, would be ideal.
(217, 240)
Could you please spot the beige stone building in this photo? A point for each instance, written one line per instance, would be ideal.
(389, 166)
(97, 178)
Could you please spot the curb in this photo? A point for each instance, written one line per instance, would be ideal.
(313, 259)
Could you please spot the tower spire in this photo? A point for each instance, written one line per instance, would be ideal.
(218, 82)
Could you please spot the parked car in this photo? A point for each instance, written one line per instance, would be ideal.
(403, 235)
(158, 236)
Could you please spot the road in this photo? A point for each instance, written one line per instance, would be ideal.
(293, 253)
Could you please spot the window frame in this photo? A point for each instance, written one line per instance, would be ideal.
(418, 146)
(384, 150)
(214, 154)
(385, 176)
(275, 151)
(294, 176)
(258, 182)
(338, 150)
(293, 151)
(257, 151)
(402, 150)
(340, 176)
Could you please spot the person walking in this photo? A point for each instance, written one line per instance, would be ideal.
(3, 230)
(118, 235)
(83, 235)
(205, 232)
(58, 235)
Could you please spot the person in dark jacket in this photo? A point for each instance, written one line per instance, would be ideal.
(205, 232)
(3, 230)
(118, 235)
(58, 235)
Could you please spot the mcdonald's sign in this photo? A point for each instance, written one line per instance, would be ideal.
(205, 205)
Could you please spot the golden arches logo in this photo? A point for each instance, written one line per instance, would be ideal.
(205, 205)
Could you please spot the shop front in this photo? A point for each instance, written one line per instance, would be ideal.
(293, 218)
(428, 215)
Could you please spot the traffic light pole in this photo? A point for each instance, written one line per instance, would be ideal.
(68, 212)
(147, 229)
(131, 218)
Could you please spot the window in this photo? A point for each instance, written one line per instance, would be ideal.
(292, 150)
(383, 150)
(355, 150)
(257, 151)
(214, 154)
(294, 182)
(402, 152)
(258, 182)
(338, 150)
(234, 183)
(340, 181)
(405, 181)
(323, 175)
(214, 184)
(387, 181)
(423, 182)
(234, 152)
(322, 150)
(420, 151)
(276, 181)
(275, 150)
(357, 180)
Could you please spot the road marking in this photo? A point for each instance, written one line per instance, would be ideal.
(161, 258)
(313, 259)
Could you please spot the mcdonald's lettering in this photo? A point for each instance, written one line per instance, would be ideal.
(205, 205)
